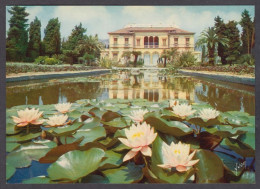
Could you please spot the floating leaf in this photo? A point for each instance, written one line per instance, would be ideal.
(22, 137)
(38, 180)
(210, 167)
(224, 131)
(11, 146)
(239, 147)
(124, 175)
(95, 179)
(23, 156)
(10, 170)
(90, 135)
(113, 160)
(174, 128)
(66, 130)
(58, 151)
(76, 164)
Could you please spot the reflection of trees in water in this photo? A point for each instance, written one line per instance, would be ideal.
(51, 94)
(225, 99)
(181, 84)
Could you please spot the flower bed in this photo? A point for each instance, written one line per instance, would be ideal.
(30, 67)
(131, 141)
(238, 69)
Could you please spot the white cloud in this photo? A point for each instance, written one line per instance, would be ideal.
(33, 12)
(92, 18)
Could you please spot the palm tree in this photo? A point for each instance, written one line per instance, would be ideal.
(211, 39)
(172, 53)
(166, 56)
(136, 54)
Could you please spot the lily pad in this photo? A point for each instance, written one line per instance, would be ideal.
(224, 131)
(239, 147)
(38, 180)
(10, 170)
(11, 146)
(76, 164)
(174, 128)
(58, 151)
(124, 175)
(113, 160)
(23, 156)
(67, 129)
(22, 137)
(90, 135)
(210, 167)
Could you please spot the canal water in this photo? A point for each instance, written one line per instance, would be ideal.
(150, 85)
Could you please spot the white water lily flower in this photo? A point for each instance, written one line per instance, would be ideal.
(135, 107)
(155, 106)
(28, 116)
(138, 138)
(57, 120)
(173, 103)
(63, 107)
(183, 110)
(178, 156)
(138, 115)
(208, 113)
(109, 105)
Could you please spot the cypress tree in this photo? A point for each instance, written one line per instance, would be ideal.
(52, 38)
(247, 32)
(220, 31)
(34, 46)
(232, 51)
(17, 36)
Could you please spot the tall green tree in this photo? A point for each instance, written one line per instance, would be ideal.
(203, 54)
(209, 38)
(220, 29)
(17, 36)
(34, 46)
(77, 34)
(247, 32)
(52, 38)
(232, 51)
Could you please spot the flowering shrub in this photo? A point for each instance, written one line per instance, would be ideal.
(30, 67)
(97, 142)
(240, 69)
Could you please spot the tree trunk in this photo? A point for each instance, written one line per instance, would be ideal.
(164, 65)
(211, 55)
(135, 60)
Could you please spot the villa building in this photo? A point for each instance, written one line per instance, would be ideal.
(151, 41)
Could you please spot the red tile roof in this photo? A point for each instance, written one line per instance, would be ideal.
(131, 30)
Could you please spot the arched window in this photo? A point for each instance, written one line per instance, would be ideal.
(145, 42)
(151, 42)
(156, 42)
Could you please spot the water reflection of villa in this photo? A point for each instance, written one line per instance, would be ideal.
(149, 86)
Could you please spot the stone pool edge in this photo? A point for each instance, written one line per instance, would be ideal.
(221, 77)
(56, 75)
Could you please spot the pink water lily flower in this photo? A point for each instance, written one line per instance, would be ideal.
(139, 137)
(63, 107)
(28, 116)
(178, 156)
(138, 115)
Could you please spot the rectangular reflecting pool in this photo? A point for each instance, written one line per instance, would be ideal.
(153, 86)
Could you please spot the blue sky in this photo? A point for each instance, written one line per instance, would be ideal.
(102, 19)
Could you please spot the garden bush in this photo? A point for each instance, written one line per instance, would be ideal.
(186, 59)
(45, 60)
